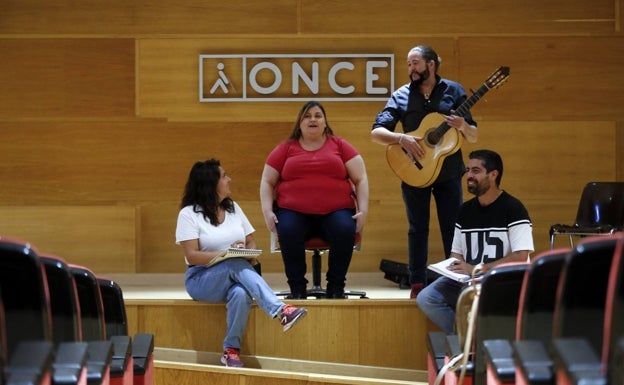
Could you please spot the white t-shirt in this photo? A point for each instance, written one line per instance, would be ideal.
(487, 233)
(192, 225)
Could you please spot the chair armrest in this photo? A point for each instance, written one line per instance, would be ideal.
(436, 345)
(122, 349)
(575, 358)
(70, 363)
(453, 349)
(142, 350)
(30, 363)
(100, 354)
(533, 362)
(498, 356)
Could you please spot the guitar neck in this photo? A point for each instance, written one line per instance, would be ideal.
(436, 135)
(471, 101)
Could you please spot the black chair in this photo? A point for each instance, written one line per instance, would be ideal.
(67, 327)
(64, 302)
(92, 321)
(497, 311)
(600, 211)
(495, 319)
(536, 308)
(115, 318)
(139, 353)
(30, 363)
(30, 350)
(578, 358)
(24, 294)
(579, 309)
(318, 246)
(90, 303)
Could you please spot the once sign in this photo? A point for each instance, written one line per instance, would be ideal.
(323, 77)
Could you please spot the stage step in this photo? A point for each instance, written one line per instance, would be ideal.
(191, 367)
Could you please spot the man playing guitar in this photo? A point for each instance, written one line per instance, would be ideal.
(427, 92)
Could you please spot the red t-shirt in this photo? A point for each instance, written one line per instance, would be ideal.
(313, 182)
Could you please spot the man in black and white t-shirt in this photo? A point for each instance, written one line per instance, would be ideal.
(492, 228)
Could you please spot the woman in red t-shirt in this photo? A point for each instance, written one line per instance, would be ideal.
(307, 189)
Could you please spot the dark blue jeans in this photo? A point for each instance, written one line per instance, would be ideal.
(337, 228)
(449, 198)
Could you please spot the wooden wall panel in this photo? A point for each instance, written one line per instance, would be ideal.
(552, 77)
(305, 16)
(125, 161)
(121, 17)
(66, 77)
(102, 238)
(475, 17)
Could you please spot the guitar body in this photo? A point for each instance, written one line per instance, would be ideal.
(435, 154)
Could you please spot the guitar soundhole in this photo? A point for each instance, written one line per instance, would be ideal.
(433, 138)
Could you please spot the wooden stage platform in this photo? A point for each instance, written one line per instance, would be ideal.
(378, 339)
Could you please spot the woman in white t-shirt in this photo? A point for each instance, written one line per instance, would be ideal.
(210, 222)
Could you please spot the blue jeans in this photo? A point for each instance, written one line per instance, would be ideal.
(236, 283)
(337, 228)
(439, 300)
(448, 197)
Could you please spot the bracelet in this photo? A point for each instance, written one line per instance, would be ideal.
(401, 138)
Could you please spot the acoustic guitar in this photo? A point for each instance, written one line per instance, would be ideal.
(439, 141)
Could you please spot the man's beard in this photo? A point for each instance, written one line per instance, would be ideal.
(422, 76)
(479, 188)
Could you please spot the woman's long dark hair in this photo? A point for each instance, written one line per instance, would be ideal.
(296, 133)
(201, 191)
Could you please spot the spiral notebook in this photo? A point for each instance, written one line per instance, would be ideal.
(234, 252)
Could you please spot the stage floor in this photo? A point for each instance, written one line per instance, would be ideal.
(171, 286)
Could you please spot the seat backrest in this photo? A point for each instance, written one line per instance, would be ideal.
(91, 306)
(498, 309)
(539, 295)
(601, 203)
(64, 302)
(114, 307)
(614, 315)
(24, 294)
(582, 289)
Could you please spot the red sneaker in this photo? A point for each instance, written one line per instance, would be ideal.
(416, 288)
(290, 315)
(231, 358)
